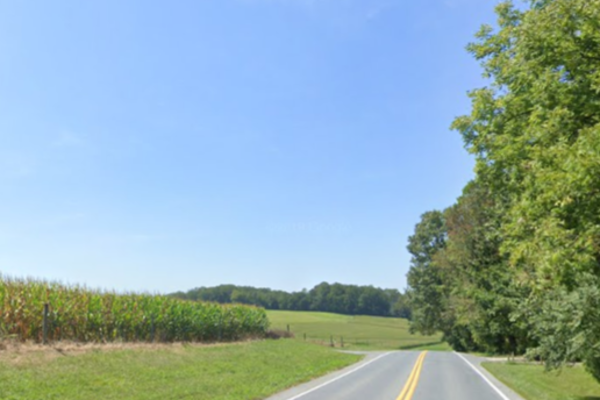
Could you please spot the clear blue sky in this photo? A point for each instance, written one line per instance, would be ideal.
(160, 146)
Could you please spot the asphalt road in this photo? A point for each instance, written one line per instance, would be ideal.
(406, 375)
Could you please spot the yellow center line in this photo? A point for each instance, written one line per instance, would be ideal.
(410, 378)
(413, 379)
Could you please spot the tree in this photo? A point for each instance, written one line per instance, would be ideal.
(401, 307)
(425, 282)
(483, 292)
(373, 301)
(336, 297)
(535, 132)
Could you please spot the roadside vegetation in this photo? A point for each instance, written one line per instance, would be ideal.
(358, 332)
(250, 370)
(513, 266)
(80, 314)
(534, 383)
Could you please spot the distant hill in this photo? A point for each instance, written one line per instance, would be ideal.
(336, 298)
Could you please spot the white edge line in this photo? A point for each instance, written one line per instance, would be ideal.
(485, 378)
(338, 377)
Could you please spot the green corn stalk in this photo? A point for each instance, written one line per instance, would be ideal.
(84, 315)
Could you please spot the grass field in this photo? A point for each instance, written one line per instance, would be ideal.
(359, 332)
(533, 383)
(225, 372)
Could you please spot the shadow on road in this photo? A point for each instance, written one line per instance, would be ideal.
(416, 346)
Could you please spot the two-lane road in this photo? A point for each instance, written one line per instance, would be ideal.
(406, 375)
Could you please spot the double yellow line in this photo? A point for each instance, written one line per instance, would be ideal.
(413, 379)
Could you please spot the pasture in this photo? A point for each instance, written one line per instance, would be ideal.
(358, 332)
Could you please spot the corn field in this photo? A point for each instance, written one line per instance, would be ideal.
(83, 315)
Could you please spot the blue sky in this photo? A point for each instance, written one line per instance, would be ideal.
(159, 146)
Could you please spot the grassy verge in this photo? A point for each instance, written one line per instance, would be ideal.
(533, 383)
(242, 371)
(359, 332)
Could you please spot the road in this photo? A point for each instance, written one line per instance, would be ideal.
(406, 375)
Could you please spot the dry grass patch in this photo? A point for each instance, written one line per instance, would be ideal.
(18, 353)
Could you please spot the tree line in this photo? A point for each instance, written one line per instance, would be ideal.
(514, 265)
(336, 298)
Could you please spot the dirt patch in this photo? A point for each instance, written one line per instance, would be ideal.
(520, 360)
(18, 353)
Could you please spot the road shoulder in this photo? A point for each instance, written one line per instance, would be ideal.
(475, 363)
(307, 387)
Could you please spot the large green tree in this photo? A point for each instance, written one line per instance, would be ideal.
(535, 132)
(426, 289)
(483, 292)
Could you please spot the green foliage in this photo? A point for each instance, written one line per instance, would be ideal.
(401, 308)
(325, 297)
(80, 314)
(536, 134)
(485, 291)
(464, 287)
(520, 268)
(566, 323)
(425, 280)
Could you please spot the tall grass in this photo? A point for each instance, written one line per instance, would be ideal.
(80, 314)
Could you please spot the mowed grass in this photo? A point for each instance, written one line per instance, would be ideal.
(534, 383)
(358, 332)
(243, 371)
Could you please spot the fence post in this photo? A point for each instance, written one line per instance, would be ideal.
(331, 341)
(288, 328)
(45, 324)
(342, 342)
